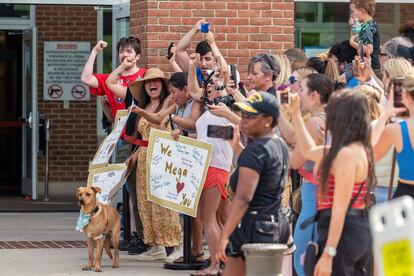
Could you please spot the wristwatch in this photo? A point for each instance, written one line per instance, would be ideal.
(330, 250)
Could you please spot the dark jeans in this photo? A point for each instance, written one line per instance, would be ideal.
(354, 250)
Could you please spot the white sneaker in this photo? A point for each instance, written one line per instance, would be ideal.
(176, 254)
(155, 252)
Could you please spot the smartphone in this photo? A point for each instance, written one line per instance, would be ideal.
(233, 74)
(361, 51)
(283, 97)
(223, 132)
(217, 67)
(169, 53)
(397, 92)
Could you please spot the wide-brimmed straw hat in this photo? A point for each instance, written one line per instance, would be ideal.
(137, 86)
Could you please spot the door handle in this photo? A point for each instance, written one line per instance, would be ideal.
(30, 120)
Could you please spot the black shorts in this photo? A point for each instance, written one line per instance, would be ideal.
(404, 189)
(354, 250)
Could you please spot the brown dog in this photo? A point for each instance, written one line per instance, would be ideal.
(104, 226)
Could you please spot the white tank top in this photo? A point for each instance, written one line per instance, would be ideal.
(222, 153)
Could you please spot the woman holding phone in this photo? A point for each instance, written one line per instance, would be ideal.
(400, 135)
(345, 172)
(214, 189)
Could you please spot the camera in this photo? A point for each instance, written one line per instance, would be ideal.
(227, 100)
(205, 100)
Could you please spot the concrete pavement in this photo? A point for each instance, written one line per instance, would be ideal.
(58, 227)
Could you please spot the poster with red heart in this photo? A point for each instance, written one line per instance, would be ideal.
(176, 171)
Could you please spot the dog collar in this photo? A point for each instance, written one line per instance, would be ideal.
(94, 211)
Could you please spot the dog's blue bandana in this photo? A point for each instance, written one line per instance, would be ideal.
(83, 220)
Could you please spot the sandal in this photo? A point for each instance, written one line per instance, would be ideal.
(197, 258)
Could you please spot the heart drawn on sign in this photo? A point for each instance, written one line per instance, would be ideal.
(180, 187)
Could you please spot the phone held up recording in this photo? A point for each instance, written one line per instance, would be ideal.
(397, 84)
(284, 96)
(223, 132)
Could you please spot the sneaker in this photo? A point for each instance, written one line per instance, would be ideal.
(155, 252)
(138, 248)
(176, 254)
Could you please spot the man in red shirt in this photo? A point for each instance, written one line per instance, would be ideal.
(128, 48)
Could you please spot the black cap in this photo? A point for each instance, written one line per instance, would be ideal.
(259, 103)
(407, 52)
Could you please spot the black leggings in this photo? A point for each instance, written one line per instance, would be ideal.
(354, 251)
(404, 189)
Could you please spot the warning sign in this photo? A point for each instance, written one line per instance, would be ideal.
(55, 91)
(63, 64)
(78, 92)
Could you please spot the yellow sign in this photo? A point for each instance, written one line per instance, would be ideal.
(176, 171)
(397, 258)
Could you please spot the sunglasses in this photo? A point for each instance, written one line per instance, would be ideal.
(293, 80)
(248, 116)
(267, 58)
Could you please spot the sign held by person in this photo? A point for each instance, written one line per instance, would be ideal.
(108, 145)
(176, 171)
(110, 179)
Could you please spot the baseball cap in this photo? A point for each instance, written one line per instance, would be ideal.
(407, 52)
(259, 103)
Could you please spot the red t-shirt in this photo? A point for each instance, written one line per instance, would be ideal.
(114, 102)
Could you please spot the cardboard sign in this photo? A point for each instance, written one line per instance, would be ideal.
(392, 225)
(110, 179)
(108, 145)
(176, 171)
(63, 63)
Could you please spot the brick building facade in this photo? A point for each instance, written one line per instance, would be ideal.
(73, 140)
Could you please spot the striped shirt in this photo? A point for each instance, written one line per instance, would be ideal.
(325, 199)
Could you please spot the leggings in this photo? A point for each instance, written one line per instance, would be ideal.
(303, 236)
(404, 189)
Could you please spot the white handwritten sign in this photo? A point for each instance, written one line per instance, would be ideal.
(110, 179)
(176, 171)
(108, 145)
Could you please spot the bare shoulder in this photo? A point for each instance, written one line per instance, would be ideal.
(350, 156)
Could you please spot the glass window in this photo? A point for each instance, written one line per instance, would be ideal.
(306, 12)
(107, 36)
(335, 12)
(15, 11)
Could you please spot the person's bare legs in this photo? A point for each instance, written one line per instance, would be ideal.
(223, 211)
(197, 236)
(234, 266)
(209, 203)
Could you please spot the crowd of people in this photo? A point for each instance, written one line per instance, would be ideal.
(319, 131)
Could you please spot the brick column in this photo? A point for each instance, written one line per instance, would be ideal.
(242, 28)
(73, 131)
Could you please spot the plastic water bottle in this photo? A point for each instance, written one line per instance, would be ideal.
(356, 27)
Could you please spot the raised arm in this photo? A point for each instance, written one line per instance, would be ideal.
(184, 43)
(112, 81)
(195, 91)
(87, 76)
(305, 141)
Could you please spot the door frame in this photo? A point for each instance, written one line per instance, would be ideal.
(22, 25)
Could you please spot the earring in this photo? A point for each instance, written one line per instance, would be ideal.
(267, 125)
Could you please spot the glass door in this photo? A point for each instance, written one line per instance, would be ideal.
(120, 28)
(29, 114)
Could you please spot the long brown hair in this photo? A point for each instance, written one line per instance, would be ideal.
(348, 120)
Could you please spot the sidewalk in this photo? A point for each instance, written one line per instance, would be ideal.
(60, 250)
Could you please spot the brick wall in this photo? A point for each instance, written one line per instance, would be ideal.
(73, 131)
(242, 28)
